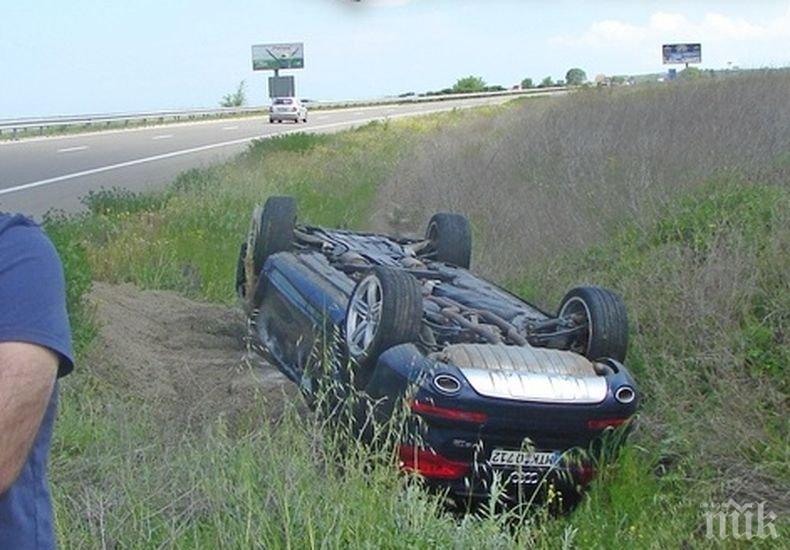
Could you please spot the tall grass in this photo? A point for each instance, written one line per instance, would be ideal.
(566, 173)
(676, 197)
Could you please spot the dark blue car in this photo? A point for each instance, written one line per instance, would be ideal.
(501, 393)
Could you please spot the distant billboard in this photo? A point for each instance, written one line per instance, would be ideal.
(681, 53)
(282, 86)
(268, 57)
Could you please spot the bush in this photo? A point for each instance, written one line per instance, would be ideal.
(469, 84)
(237, 98)
(575, 77)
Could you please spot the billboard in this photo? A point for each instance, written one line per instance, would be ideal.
(282, 86)
(681, 53)
(268, 57)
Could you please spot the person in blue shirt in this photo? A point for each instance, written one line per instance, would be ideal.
(35, 350)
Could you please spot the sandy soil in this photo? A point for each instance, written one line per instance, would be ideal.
(188, 360)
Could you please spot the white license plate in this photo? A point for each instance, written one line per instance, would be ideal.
(523, 459)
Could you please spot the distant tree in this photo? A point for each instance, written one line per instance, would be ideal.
(469, 84)
(527, 83)
(546, 83)
(237, 98)
(575, 77)
(560, 83)
(618, 80)
(690, 73)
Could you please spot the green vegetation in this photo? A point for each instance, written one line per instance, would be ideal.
(699, 253)
(237, 98)
(469, 84)
(575, 77)
(527, 83)
(546, 83)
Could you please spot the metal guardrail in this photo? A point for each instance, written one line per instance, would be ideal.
(30, 124)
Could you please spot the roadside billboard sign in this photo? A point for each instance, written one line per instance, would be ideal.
(282, 86)
(270, 57)
(681, 53)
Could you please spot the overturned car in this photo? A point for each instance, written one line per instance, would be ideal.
(501, 392)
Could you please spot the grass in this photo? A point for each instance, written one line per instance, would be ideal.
(696, 239)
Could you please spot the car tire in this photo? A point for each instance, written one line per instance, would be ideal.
(271, 121)
(241, 275)
(271, 229)
(450, 236)
(605, 312)
(388, 304)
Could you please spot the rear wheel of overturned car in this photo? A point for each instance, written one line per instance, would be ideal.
(271, 231)
(604, 314)
(385, 309)
(450, 237)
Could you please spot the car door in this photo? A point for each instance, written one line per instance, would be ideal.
(300, 312)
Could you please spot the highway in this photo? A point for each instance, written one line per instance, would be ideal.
(39, 174)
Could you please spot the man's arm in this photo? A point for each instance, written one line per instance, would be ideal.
(27, 378)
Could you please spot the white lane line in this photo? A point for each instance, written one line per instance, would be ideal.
(72, 149)
(321, 117)
(135, 162)
(230, 128)
(163, 136)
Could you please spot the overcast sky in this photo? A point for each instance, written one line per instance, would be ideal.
(77, 56)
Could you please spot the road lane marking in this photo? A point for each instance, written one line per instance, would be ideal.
(72, 149)
(230, 128)
(145, 160)
(321, 117)
(163, 136)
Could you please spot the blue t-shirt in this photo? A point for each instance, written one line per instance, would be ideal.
(32, 309)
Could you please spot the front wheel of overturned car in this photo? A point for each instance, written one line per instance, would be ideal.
(241, 275)
(271, 230)
(604, 314)
(385, 309)
(450, 237)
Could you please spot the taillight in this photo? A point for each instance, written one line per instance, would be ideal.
(585, 474)
(603, 423)
(448, 414)
(430, 464)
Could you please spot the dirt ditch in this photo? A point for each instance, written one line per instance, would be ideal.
(189, 361)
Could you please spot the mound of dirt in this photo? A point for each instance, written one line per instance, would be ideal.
(188, 360)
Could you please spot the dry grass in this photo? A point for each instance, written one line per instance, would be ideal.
(561, 173)
(677, 197)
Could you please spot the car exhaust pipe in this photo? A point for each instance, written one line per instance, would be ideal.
(447, 384)
(625, 394)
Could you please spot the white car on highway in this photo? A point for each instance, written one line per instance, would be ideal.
(287, 108)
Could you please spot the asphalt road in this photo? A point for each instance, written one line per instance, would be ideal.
(39, 174)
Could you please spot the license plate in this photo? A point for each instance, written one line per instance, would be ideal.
(523, 459)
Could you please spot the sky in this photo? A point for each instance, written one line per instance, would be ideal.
(90, 56)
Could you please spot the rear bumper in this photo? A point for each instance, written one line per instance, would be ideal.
(285, 116)
(489, 423)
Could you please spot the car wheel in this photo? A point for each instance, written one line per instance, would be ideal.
(271, 231)
(384, 310)
(241, 276)
(607, 322)
(450, 236)
(271, 121)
